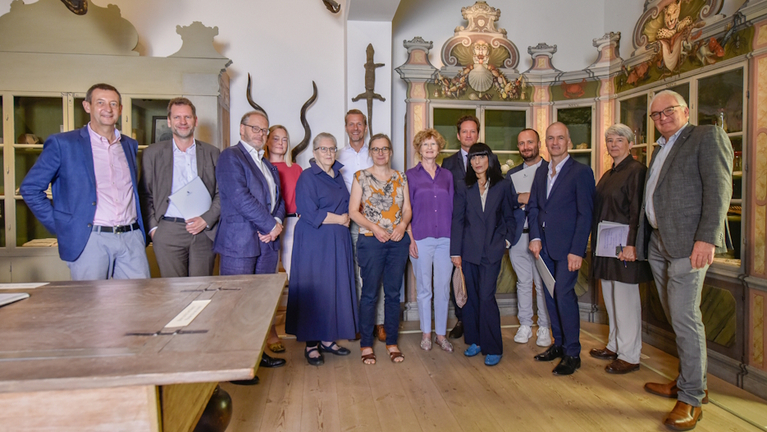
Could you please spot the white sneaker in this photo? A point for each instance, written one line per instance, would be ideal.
(544, 337)
(524, 333)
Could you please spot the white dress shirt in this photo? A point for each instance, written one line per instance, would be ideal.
(352, 162)
(550, 179)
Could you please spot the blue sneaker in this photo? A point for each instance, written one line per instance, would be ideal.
(473, 350)
(493, 359)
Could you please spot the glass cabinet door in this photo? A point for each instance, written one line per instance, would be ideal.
(634, 115)
(2, 178)
(501, 130)
(579, 121)
(149, 120)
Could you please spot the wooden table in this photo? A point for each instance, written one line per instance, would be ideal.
(80, 356)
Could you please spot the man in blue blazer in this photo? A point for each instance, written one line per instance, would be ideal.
(95, 211)
(529, 144)
(252, 208)
(561, 203)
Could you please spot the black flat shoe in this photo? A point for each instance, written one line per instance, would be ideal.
(334, 348)
(554, 352)
(567, 366)
(457, 331)
(314, 361)
(271, 362)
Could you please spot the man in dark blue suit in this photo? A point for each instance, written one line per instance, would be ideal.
(252, 209)
(561, 203)
(523, 261)
(457, 164)
(95, 211)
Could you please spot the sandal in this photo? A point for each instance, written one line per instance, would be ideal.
(334, 348)
(369, 359)
(276, 347)
(426, 343)
(394, 354)
(444, 344)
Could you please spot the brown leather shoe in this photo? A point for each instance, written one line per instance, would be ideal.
(669, 390)
(683, 417)
(603, 354)
(621, 367)
(381, 333)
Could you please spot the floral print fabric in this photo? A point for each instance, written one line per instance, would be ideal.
(382, 201)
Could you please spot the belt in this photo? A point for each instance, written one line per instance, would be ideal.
(173, 219)
(292, 215)
(525, 230)
(116, 229)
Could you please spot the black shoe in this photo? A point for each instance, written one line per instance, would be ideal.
(554, 352)
(271, 362)
(314, 361)
(334, 348)
(457, 331)
(567, 366)
(249, 382)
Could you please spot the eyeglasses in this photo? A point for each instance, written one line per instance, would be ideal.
(256, 129)
(325, 150)
(666, 112)
(380, 150)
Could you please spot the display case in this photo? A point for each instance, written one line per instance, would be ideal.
(580, 122)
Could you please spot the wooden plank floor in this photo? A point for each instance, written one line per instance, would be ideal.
(437, 391)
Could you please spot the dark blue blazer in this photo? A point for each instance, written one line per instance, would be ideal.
(520, 213)
(245, 204)
(67, 164)
(476, 233)
(455, 164)
(566, 213)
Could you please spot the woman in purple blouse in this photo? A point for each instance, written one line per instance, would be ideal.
(431, 198)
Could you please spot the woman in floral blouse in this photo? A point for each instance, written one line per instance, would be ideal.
(380, 205)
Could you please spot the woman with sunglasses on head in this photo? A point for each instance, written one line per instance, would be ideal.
(483, 226)
(322, 298)
(380, 205)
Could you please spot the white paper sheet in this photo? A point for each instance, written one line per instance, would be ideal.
(192, 200)
(546, 276)
(186, 316)
(12, 297)
(611, 238)
(523, 180)
(27, 285)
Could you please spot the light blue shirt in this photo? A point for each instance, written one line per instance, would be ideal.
(652, 178)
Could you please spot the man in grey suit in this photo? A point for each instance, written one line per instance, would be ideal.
(183, 245)
(687, 195)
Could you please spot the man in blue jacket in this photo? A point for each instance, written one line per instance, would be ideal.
(561, 204)
(95, 211)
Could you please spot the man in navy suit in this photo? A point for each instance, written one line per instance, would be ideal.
(561, 203)
(457, 164)
(252, 209)
(529, 144)
(95, 211)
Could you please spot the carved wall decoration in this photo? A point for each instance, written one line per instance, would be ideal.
(307, 130)
(480, 61)
(332, 6)
(370, 84)
(78, 7)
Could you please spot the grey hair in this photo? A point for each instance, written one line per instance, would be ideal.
(248, 114)
(622, 130)
(323, 135)
(679, 99)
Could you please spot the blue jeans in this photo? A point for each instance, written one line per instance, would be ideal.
(381, 261)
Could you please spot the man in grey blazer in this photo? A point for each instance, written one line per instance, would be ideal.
(183, 245)
(681, 226)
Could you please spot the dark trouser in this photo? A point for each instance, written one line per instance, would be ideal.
(381, 261)
(563, 307)
(458, 310)
(266, 263)
(180, 253)
(481, 317)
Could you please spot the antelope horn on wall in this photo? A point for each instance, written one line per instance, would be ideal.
(307, 130)
(251, 101)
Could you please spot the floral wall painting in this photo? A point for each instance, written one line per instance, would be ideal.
(676, 36)
(480, 62)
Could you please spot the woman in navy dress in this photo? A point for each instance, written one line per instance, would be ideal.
(322, 301)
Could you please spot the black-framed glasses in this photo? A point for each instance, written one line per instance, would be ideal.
(256, 129)
(380, 150)
(666, 112)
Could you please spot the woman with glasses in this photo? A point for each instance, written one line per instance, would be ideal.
(322, 298)
(619, 198)
(431, 198)
(380, 205)
(483, 227)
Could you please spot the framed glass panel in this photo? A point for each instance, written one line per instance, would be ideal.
(444, 120)
(24, 159)
(578, 120)
(720, 100)
(2, 222)
(149, 120)
(36, 118)
(502, 128)
(81, 117)
(29, 229)
(2, 164)
(640, 153)
(634, 115)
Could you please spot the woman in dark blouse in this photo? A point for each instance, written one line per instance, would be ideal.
(619, 199)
